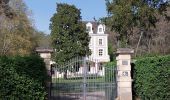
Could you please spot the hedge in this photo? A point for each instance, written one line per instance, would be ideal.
(110, 71)
(152, 78)
(22, 78)
(31, 66)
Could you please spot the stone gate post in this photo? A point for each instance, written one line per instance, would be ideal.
(45, 53)
(124, 80)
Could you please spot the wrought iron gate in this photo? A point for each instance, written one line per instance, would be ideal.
(83, 79)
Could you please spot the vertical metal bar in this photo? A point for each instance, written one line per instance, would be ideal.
(51, 70)
(95, 72)
(84, 77)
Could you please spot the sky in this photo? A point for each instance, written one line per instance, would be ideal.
(43, 10)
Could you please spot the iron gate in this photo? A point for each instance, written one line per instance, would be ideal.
(83, 79)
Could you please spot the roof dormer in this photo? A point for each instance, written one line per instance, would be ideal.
(89, 27)
(101, 29)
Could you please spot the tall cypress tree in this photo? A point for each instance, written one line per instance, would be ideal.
(68, 33)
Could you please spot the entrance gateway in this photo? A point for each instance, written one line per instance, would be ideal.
(78, 79)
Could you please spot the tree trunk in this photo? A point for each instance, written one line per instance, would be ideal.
(138, 43)
(149, 46)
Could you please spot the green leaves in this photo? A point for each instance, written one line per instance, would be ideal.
(151, 78)
(16, 29)
(22, 78)
(125, 16)
(110, 73)
(68, 33)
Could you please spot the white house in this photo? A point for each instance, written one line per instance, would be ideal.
(98, 45)
(98, 42)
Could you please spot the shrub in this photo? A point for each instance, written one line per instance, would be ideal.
(152, 78)
(110, 71)
(20, 80)
(30, 66)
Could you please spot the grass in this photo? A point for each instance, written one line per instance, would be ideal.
(78, 80)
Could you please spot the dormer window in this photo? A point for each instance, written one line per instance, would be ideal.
(100, 29)
(88, 29)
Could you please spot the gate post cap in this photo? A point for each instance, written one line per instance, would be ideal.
(125, 51)
(44, 50)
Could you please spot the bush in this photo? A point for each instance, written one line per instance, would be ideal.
(152, 78)
(30, 66)
(110, 71)
(19, 78)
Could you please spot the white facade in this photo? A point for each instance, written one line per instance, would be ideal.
(98, 42)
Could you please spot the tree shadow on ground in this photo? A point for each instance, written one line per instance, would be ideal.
(64, 98)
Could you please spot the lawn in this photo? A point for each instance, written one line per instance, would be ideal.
(78, 80)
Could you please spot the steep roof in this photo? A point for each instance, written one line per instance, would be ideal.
(94, 25)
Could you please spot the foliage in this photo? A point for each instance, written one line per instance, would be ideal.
(16, 29)
(5, 9)
(68, 33)
(151, 78)
(110, 71)
(22, 78)
(111, 51)
(43, 40)
(34, 67)
(125, 16)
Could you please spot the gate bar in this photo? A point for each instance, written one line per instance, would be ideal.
(84, 78)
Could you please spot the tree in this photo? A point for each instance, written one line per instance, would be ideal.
(124, 16)
(5, 9)
(17, 35)
(68, 34)
(43, 40)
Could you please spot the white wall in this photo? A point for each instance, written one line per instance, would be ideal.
(94, 44)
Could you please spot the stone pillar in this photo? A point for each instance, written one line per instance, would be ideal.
(45, 53)
(124, 81)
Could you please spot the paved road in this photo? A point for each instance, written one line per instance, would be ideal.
(78, 96)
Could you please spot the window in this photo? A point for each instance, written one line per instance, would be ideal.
(100, 66)
(100, 29)
(88, 67)
(100, 41)
(100, 52)
(88, 29)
